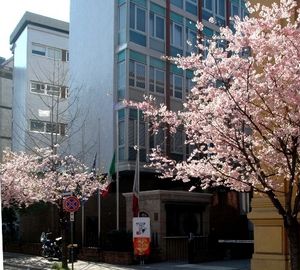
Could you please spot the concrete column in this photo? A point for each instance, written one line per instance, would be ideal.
(270, 240)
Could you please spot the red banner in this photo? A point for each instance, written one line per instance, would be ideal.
(141, 246)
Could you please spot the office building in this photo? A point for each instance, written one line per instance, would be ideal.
(39, 99)
(40, 71)
(116, 53)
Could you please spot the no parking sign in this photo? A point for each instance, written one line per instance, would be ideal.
(71, 204)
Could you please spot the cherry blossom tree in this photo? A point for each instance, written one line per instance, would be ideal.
(242, 117)
(29, 178)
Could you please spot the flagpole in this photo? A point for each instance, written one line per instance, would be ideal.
(138, 150)
(136, 180)
(117, 172)
(99, 193)
(82, 207)
(99, 216)
(82, 223)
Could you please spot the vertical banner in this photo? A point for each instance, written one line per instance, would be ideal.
(141, 236)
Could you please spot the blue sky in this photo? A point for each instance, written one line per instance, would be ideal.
(13, 10)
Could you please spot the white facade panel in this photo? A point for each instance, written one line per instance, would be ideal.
(38, 57)
(49, 71)
(92, 72)
(19, 93)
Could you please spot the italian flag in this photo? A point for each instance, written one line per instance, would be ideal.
(110, 180)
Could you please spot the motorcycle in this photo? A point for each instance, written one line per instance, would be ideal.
(50, 248)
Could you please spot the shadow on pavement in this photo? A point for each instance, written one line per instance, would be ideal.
(28, 261)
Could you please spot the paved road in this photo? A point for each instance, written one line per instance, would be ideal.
(6, 267)
(14, 261)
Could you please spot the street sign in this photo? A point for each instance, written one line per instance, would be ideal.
(71, 204)
(141, 227)
(72, 216)
(67, 194)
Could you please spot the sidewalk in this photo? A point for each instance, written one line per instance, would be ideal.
(29, 262)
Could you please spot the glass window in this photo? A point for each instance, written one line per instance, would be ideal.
(156, 80)
(152, 79)
(157, 26)
(141, 20)
(131, 73)
(65, 55)
(207, 4)
(121, 80)
(221, 43)
(142, 134)
(53, 90)
(234, 9)
(207, 9)
(177, 3)
(132, 132)
(220, 8)
(157, 139)
(48, 89)
(177, 142)
(140, 75)
(63, 128)
(176, 85)
(152, 24)
(134, 135)
(121, 132)
(132, 16)
(37, 88)
(48, 127)
(36, 125)
(38, 49)
(191, 37)
(176, 35)
(191, 6)
(137, 74)
(189, 84)
(55, 54)
(245, 13)
(137, 18)
(122, 24)
(52, 128)
(206, 44)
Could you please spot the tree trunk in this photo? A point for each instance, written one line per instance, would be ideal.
(292, 230)
(64, 257)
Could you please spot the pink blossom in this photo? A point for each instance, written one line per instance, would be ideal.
(27, 178)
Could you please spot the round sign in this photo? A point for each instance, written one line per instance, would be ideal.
(71, 204)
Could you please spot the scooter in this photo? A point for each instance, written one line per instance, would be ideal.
(50, 248)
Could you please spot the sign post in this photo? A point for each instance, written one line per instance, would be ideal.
(141, 237)
(71, 204)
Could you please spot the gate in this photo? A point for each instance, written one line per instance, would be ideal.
(184, 248)
(176, 248)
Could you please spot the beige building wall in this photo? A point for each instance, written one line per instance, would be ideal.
(270, 241)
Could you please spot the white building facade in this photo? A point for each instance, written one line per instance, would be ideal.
(40, 85)
(116, 50)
